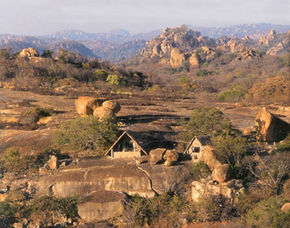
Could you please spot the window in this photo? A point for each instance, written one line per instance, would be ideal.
(196, 149)
(195, 157)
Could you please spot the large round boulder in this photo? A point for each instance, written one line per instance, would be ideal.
(86, 105)
(103, 112)
(156, 155)
(270, 128)
(101, 205)
(171, 157)
(113, 105)
(220, 173)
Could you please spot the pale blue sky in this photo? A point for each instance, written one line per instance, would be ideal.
(45, 16)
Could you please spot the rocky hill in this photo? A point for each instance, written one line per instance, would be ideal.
(183, 47)
(120, 44)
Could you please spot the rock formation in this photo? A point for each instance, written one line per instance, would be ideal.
(107, 110)
(176, 58)
(86, 105)
(286, 207)
(52, 163)
(114, 106)
(156, 155)
(230, 189)
(97, 107)
(270, 128)
(103, 112)
(221, 173)
(193, 60)
(171, 157)
(101, 205)
(174, 41)
(28, 53)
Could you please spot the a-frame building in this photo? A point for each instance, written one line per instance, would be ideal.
(126, 147)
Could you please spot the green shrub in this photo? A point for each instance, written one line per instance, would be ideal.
(234, 94)
(7, 214)
(230, 149)
(12, 159)
(114, 80)
(87, 133)
(203, 121)
(284, 145)
(203, 73)
(48, 208)
(101, 74)
(267, 213)
(208, 208)
(160, 211)
(200, 170)
(32, 115)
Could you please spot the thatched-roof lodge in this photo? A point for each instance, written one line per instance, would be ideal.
(126, 147)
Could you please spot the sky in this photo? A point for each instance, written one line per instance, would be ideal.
(39, 17)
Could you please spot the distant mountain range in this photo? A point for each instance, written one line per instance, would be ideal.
(121, 44)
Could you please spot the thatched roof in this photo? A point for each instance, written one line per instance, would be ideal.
(118, 140)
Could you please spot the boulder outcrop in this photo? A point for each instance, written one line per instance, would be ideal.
(221, 173)
(230, 189)
(103, 112)
(179, 38)
(101, 205)
(156, 155)
(113, 105)
(86, 105)
(28, 53)
(52, 163)
(97, 107)
(171, 157)
(176, 58)
(193, 60)
(108, 175)
(286, 207)
(270, 128)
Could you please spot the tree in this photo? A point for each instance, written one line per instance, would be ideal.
(270, 171)
(230, 149)
(268, 213)
(203, 121)
(87, 133)
(47, 54)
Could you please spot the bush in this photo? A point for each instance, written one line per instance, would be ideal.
(101, 75)
(49, 208)
(7, 214)
(208, 208)
(200, 170)
(114, 80)
(12, 160)
(267, 213)
(160, 211)
(230, 149)
(203, 121)
(87, 133)
(33, 115)
(203, 73)
(284, 146)
(234, 94)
